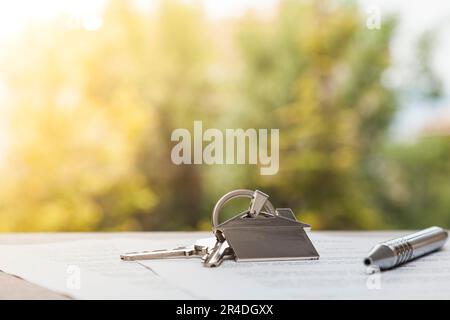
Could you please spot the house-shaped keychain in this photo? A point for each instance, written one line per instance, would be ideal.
(263, 233)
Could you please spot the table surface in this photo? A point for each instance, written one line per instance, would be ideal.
(12, 287)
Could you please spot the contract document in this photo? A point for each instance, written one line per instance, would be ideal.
(92, 269)
(89, 269)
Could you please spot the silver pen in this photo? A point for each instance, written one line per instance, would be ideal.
(394, 252)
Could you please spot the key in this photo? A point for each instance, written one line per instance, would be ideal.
(221, 251)
(180, 252)
(199, 250)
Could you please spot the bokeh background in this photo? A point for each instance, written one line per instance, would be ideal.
(90, 91)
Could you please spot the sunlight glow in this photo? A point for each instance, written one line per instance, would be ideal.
(17, 14)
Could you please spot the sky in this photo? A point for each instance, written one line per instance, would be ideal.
(415, 17)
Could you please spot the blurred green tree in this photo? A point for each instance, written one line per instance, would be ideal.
(415, 186)
(315, 73)
(185, 93)
(90, 115)
(90, 119)
(75, 124)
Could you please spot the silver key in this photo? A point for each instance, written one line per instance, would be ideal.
(199, 250)
(217, 254)
(180, 252)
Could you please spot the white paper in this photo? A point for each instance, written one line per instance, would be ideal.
(338, 274)
(90, 269)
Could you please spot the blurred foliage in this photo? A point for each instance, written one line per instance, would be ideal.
(316, 74)
(425, 80)
(90, 114)
(414, 189)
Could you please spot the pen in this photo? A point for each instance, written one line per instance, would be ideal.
(392, 253)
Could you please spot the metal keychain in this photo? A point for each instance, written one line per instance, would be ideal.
(256, 235)
(261, 233)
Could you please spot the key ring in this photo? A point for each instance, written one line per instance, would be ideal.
(244, 193)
